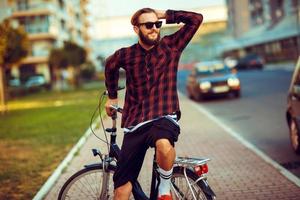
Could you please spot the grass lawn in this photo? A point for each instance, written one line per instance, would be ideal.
(37, 133)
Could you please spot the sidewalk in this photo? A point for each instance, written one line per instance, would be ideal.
(235, 172)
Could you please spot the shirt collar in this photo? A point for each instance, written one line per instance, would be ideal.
(139, 46)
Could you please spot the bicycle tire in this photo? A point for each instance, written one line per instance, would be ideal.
(87, 184)
(180, 189)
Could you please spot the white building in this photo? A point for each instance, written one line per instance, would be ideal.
(48, 24)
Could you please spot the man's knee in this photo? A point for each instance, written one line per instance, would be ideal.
(123, 192)
(163, 146)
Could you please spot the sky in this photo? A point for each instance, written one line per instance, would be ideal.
(102, 9)
(107, 8)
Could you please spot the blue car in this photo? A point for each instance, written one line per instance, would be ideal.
(212, 78)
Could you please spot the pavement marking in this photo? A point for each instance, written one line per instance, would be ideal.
(265, 157)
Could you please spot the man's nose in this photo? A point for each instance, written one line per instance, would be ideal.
(154, 27)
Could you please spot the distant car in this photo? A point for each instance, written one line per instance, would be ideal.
(212, 78)
(250, 61)
(14, 82)
(293, 109)
(230, 62)
(36, 82)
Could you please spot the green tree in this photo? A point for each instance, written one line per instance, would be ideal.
(75, 53)
(87, 71)
(57, 60)
(76, 56)
(14, 46)
(71, 55)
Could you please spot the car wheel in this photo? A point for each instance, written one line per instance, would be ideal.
(199, 97)
(237, 94)
(294, 136)
(189, 94)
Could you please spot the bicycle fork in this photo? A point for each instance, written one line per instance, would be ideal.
(105, 179)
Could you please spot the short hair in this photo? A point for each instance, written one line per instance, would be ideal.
(137, 14)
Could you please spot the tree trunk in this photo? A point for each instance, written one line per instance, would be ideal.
(3, 107)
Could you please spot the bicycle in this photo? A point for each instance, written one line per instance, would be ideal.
(94, 181)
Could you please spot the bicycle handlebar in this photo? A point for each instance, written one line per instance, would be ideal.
(119, 88)
(116, 108)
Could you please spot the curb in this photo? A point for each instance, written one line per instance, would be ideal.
(43, 191)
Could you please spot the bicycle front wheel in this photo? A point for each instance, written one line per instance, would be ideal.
(88, 183)
(189, 188)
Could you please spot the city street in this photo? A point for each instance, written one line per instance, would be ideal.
(259, 115)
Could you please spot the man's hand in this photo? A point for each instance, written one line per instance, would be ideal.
(109, 103)
(161, 14)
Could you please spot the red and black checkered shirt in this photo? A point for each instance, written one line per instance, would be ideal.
(151, 75)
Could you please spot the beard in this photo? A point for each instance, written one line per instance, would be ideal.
(146, 40)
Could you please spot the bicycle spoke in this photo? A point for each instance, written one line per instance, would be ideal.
(88, 185)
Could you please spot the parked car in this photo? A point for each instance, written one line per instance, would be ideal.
(293, 109)
(14, 82)
(36, 82)
(212, 78)
(250, 61)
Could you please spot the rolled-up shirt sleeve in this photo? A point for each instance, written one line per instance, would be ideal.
(182, 37)
(112, 67)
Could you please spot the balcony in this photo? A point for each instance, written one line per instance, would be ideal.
(35, 60)
(41, 36)
(34, 10)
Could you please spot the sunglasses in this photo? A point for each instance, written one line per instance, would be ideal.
(149, 25)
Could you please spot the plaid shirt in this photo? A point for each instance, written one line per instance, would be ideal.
(151, 76)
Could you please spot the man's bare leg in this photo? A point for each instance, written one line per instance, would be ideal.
(165, 154)
(123, 192)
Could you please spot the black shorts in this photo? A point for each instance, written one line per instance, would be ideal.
(135, 145)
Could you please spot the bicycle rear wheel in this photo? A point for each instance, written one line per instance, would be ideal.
(87, 184)
(181, 189)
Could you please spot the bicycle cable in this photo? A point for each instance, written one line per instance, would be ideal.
(98, 108)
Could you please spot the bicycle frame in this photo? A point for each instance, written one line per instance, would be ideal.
(114, 152)
(137, 191)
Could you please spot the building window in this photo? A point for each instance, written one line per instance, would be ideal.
(63, 24)
(61, 4)
(273, 48)
(22, 5)
(277, 10)
(256, 12)
(36, 24)
(295, 4)
(78, 16)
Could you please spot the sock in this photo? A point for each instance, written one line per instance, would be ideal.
(165, 181)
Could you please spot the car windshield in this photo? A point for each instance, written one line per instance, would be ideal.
(206, 69)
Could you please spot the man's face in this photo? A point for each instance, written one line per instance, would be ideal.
(149, 36)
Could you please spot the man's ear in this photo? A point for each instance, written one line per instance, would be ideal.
(136, 29)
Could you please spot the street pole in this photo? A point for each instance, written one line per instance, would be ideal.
(2, 92)
(298, 28)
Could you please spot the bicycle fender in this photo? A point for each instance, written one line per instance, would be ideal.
(93, 165)
(206, 188)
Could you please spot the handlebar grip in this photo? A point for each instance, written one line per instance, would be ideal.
(116, 108)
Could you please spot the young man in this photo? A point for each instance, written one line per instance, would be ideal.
(151, 108)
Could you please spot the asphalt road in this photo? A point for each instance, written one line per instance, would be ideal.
(259, 114)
